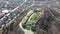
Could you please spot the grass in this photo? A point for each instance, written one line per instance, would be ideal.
(24, 19)
(28, 28)
(33, 18)
(29, 13)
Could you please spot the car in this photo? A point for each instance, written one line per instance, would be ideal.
(5, 11)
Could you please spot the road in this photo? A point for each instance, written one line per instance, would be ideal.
(15, 8)
(12, 11)
(26, 31)
(22, 11)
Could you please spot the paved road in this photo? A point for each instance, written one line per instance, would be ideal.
(12, 11)
(26, 31)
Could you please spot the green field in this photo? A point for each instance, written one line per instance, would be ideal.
(30, 19)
